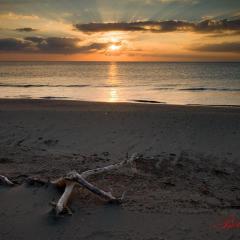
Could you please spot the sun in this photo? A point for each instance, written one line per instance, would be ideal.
(114, 47)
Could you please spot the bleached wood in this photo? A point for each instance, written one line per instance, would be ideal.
(6, 181)
(62, 202)
(73, 178)
(60, 182)
(111, 167)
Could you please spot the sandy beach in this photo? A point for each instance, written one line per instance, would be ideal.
(186, 186)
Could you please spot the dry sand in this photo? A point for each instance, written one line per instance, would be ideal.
(188, 173)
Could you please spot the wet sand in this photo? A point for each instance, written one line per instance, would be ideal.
(187, 180)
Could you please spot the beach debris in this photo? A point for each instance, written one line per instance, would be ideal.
(6, 181)
(61, 205)
(73, 179)
(36, 181)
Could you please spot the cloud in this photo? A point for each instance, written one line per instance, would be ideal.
(212, 25)
(55, 45)
(225, 34)
(13, 45)
(233, 47)
(206, 26)
(15, 16)
(153, 26)
(26, 29)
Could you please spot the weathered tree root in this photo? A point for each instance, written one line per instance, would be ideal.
(73, 178)
(6, 181)
(61, 205)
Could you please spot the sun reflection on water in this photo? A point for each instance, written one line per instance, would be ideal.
(113, 95)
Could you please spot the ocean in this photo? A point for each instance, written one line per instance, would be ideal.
(153, 82)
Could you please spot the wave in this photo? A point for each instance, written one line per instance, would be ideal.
(67, 86)
(107, 86)
(163, 88)
(52, 97)
(145, 101)
(42, 85)
(119, 85)
(197, 89)
(210, 89)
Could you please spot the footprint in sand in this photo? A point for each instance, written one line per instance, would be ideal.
(50, 142)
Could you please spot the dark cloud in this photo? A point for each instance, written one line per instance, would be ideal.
(218, 25)
(153, 26)
(35, 39)
(13, 45)
(26, 29)
(206, 26)
(233, 47)
(55, 45)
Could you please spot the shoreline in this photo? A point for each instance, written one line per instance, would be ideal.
(66, 101)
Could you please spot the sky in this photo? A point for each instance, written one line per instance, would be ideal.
(120, 30)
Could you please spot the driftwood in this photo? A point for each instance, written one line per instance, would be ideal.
(73, 178)
(61, 205)
(6, 181)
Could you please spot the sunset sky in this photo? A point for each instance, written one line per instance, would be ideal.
(120, 30)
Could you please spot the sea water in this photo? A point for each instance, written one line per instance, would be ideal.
(170, 83)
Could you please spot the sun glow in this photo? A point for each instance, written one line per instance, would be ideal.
(114, 47)
(114, 39)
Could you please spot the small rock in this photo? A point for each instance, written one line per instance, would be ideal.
(105, 154)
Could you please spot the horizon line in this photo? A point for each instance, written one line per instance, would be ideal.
(220, 61)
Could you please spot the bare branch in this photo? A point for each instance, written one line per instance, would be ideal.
(62, 202)
(74, 178)
(111, 167)
(6, 181)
